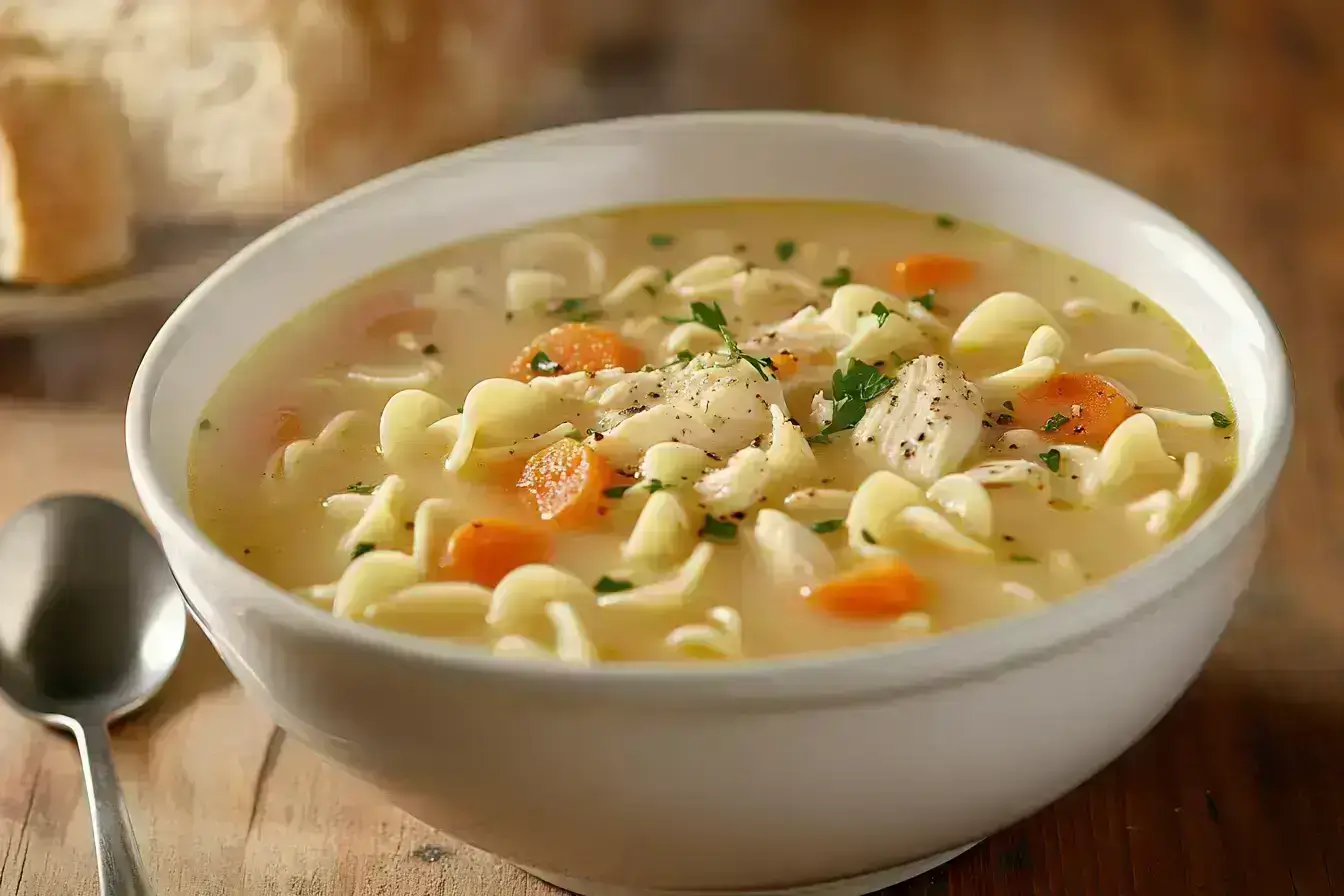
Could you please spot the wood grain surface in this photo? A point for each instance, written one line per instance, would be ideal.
(1229, 113)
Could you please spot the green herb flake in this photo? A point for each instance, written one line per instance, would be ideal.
(361, 549)
(820, 438)
(616, 491)
(881, 312)
(945, 222)
(841, 277)
(608, 585)
(576, 309)
(826, 526)
(852, 390)
(1022, 558)
(359, 488)
(673, 319)
(1054, 423)
(718, 530)
(541, 363)
(668, 275)
(661, 240)
(655, 485)
(867, 536)
(1220, 420)
(711, 316)
(1051, 459)
(926, 300)
(784, 249)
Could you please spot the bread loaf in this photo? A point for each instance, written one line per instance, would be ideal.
(244, 108)
(65, 196)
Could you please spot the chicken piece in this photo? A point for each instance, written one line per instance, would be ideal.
(925, 424)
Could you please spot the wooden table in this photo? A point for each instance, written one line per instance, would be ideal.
(1229, 113)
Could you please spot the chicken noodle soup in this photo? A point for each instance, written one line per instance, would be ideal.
(712, 431)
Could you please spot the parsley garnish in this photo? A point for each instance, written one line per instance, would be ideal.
(1054, 423)
(667, 274)
(654, 485)
(945, 222)
(542, 363)
(852, 390)
(361, 549)
(1051, 459)
(684, 356)
(712, 316)
(825, 526)
(616, 491)
(1022, 558)
(784, 249)
(926, 300)
(1220, 420)
(575, 310)
(359, 488)
(661, 240)
(881, 312)
(841, 277)
(718, 530)
(608, 585)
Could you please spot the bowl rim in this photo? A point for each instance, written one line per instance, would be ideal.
(971, 651)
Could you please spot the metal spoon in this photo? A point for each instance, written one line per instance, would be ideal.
(91, 624)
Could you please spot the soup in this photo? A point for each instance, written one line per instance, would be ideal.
(712, 431)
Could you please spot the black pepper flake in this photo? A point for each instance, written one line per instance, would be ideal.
(430, 349)
(920, 437)
(508, 316)
(247, 550)
(1009, 538)
(738, 515)
(602, 509)
(597, 437)
(712, 456)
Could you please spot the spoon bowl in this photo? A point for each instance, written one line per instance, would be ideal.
(91, 626)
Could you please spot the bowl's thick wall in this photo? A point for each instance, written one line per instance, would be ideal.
(768, 773)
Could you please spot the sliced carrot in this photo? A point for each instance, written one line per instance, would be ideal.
(785, 364)
(485, 550)
(566, 482)
(576, 347)
(918, 274)
(882, 591)
(1073, 408)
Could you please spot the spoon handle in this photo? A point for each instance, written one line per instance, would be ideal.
(119, 870)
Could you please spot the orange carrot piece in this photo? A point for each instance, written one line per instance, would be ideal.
(785, 364)
(918, 274)
(882, 591)
(485, 550)
(566, 482)
(576, 347)
(1072, 408)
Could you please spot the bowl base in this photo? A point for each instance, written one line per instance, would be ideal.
(859, 885)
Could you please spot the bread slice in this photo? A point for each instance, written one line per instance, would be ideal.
(249, 108)
(65, 192)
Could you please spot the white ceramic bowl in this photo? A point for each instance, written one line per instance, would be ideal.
(763, 775)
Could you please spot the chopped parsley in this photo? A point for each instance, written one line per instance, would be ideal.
(684, 356)
(541, 363)
(784, 249)
(673, 319)
(945, 222)
(430, 349)
(867, 536)
(667, 274)
(576, 310)
(359, 488)
(851, 391)
(841, 277)
(1022, 558)
(654, 485)
(926, 300)
(361, 549)
(826, 526)
(617, 491)
(608, 585)
(1220, 420)
(1054, 423)
(661, 240)
(712, 316)
(718, 530)
(1051, 459)
(881, 312)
